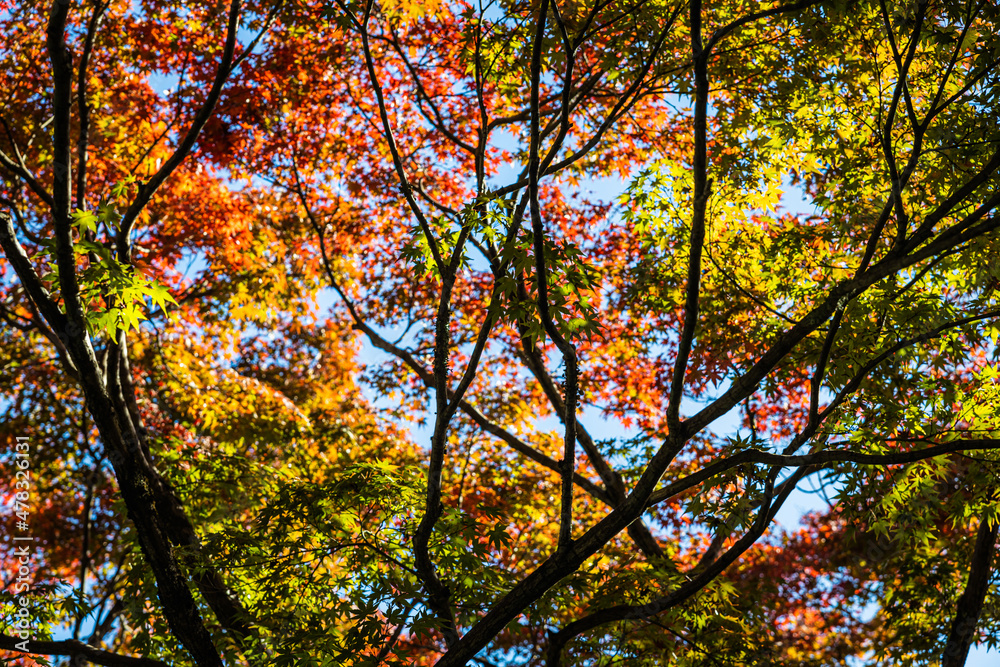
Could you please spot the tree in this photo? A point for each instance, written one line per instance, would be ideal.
(216, 475)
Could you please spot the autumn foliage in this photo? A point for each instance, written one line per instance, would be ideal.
(427, 333)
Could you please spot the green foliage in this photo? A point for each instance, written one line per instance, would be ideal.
(114, 294)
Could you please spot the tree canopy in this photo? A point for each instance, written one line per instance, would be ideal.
(322, 341)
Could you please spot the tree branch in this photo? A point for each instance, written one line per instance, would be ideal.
(970, 605)
(404, 182)
(73, 649)
(683, 592)
(702, 191)
(83, 107)
(149, 188)
(568, 351)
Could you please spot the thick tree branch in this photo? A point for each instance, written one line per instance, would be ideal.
(820, 458)
(62, 185)
(26, 274)
(970, 605)
(702, 191)
(227, 608)
(73, 648)
(138, 483)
